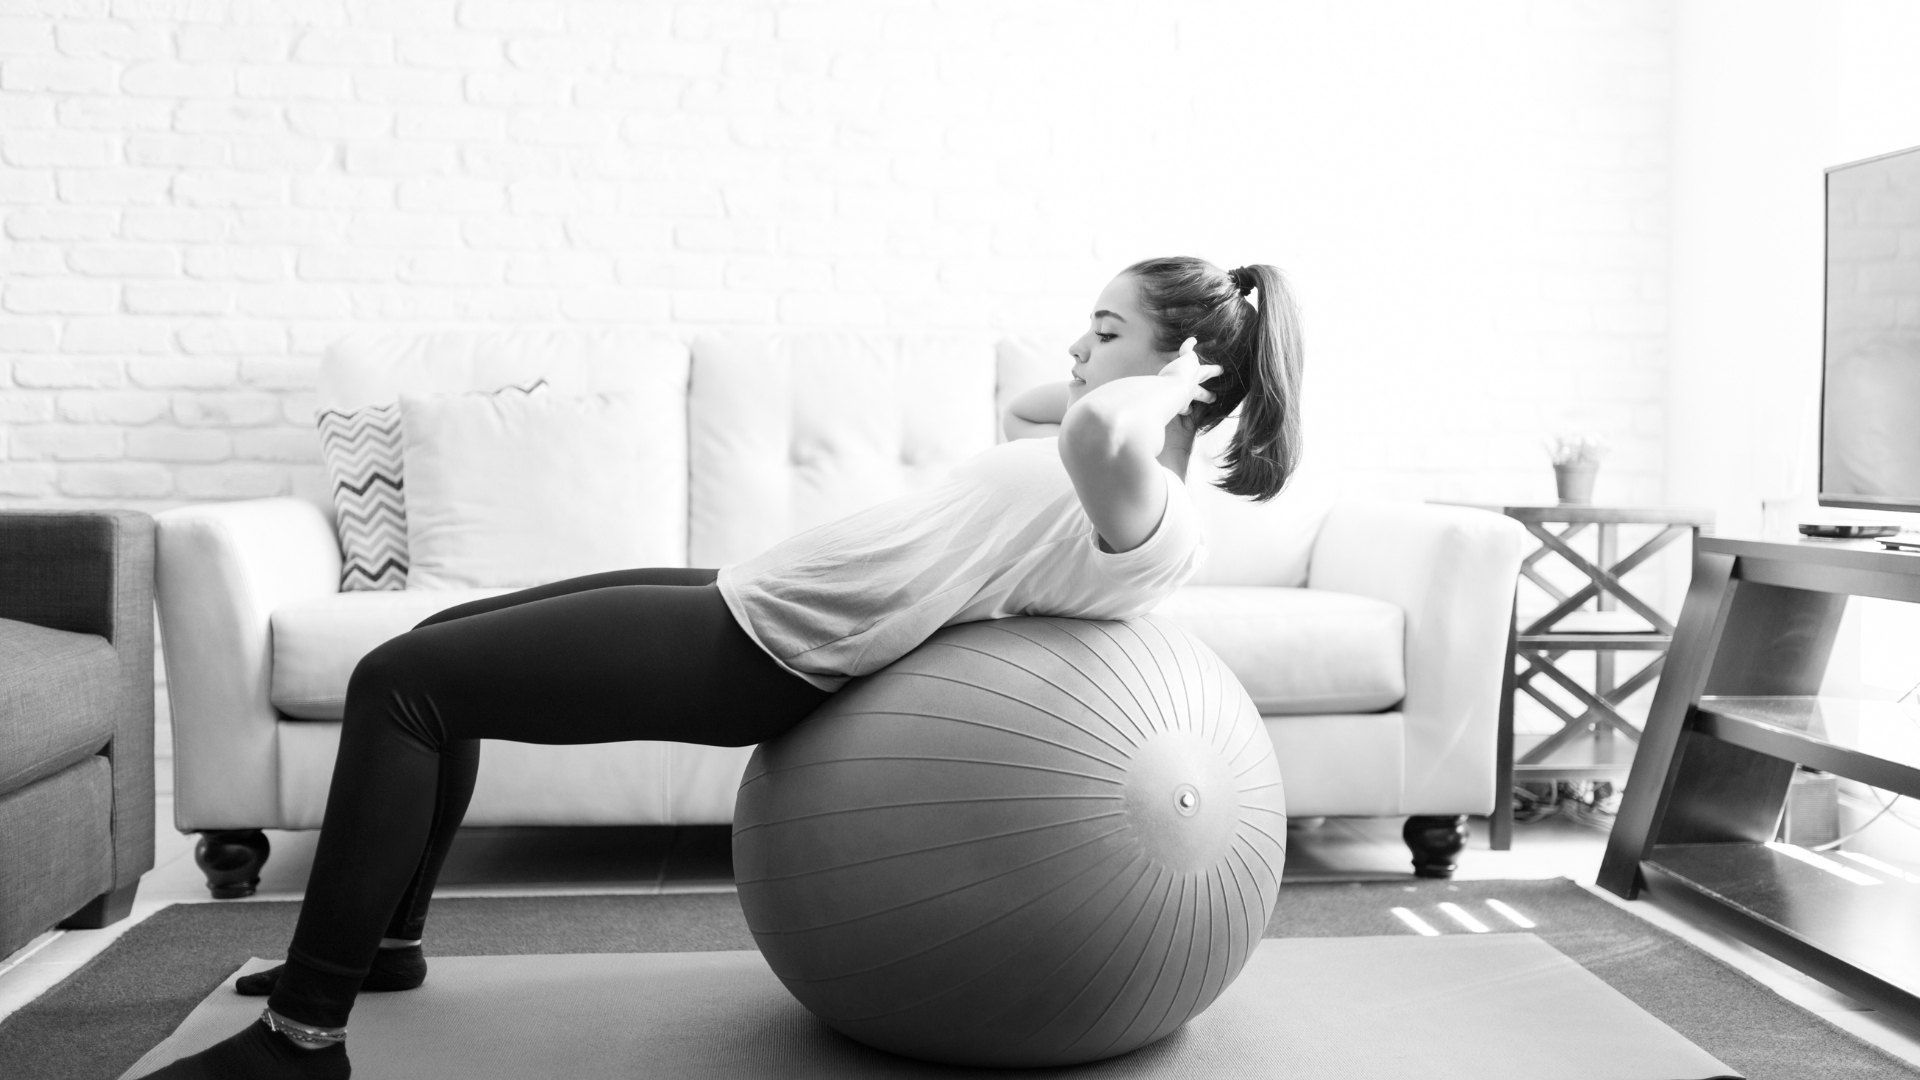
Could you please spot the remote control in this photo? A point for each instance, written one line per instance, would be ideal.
(1829, 531)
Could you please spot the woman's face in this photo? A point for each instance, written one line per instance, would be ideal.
(1119, 341)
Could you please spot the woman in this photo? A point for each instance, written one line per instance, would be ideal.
(1095, 523)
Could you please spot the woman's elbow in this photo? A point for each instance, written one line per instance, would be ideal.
(1090, 435)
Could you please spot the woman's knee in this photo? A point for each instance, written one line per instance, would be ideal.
(385, 668)
(396, 681)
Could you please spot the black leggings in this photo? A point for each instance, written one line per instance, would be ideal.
(633, 654)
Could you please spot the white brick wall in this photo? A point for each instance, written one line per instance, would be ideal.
(200, 194)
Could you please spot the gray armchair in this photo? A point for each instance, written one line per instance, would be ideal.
(76, 718)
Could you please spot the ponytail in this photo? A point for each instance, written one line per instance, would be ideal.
(1256, 342)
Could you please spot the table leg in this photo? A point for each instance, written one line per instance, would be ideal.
(1650, 784)
(1500, 825)
(1603, 684)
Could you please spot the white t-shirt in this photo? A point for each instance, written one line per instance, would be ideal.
(1003, 535)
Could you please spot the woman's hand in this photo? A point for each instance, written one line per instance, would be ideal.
(1035, 414)
(1187, 370)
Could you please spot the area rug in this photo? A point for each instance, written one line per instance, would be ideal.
(101, 1020)
(1467, 1007)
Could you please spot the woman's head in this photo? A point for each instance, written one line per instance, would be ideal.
(1144, 314)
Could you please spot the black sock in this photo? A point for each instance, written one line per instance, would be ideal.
(258, 1053)
(393, 969)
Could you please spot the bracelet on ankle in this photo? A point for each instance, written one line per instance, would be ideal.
(313, 1038)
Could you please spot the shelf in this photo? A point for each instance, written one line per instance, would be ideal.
(1583, 758)
(1846, 567)
(1609, 621)
(1863, 937)
(1874, 742)
(1564, 640)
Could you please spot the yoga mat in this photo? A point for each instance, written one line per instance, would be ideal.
(1485, 1007)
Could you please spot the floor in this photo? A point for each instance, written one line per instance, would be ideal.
(502, 862)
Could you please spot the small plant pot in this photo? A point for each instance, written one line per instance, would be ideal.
(1575, 482)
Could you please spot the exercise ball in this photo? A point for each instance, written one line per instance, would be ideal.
(1029, 842)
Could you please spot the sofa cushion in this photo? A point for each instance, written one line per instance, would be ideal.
(58, 694)
(361, 448)
(519, 490)
(1300, 650)
(317, 642)
(799, 430)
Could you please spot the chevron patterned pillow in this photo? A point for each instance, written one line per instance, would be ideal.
(362, 452)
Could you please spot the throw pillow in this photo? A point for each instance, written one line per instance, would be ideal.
(361, 448)
(516, 491)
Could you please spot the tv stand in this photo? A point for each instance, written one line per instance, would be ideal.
(1736, 710)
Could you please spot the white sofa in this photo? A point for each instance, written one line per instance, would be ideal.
(1370, 634)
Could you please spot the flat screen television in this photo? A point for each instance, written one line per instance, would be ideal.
(1870, 385)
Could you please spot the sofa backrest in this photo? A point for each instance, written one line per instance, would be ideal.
(788, 431)
(1250, 543)
(784, 432)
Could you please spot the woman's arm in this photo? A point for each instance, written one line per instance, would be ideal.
(1111, 439)
(1035, 414)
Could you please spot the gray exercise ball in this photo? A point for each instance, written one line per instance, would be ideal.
(1029, 842)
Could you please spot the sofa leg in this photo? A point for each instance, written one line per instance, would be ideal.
(103, 910)
(1436, 843)
(231, 859)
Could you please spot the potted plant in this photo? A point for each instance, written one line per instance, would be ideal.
(1576, 459)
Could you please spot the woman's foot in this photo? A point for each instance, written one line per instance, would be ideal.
(257, 1053)
(393, 969)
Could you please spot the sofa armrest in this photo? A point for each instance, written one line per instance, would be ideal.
(223, 569)
(65, 570)
(91, 572)
(1453, 571)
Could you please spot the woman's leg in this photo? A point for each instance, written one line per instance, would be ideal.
(601, 665)
(401, 968)
(396, 965)
(460, 760)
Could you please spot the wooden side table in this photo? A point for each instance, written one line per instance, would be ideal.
(1597, 742)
